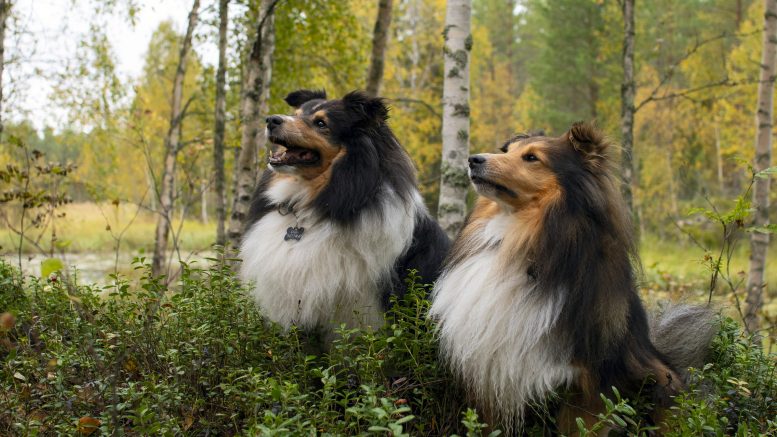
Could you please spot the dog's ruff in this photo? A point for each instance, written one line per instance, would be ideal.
(495, 328)
(333, 274)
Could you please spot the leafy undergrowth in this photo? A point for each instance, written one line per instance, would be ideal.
(138, 359)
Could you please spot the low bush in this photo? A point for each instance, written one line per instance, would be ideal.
(137, 358)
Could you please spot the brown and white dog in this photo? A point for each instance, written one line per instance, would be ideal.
(538, 294)
(336, 221)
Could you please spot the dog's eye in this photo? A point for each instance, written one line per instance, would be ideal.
(320, 123)
(530, 157)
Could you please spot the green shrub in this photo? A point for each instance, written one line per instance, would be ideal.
(137, 358)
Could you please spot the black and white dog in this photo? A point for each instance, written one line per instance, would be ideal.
(336, 220)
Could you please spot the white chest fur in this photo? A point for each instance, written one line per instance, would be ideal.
(495, 328)
(333, 274)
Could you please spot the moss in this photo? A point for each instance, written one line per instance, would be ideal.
(454, 176)
(461, 110)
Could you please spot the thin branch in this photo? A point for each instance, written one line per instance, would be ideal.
(669, 74)
(426, 105)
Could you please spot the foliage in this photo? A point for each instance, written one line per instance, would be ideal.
(34, 191)
(732, 395)
(143, 359)
(139, 358)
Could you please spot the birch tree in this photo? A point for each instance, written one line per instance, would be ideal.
(759, 241)
(253, 102)
(5, 11)
(172, 146)
(220, 120)
(380, 38)
(457, 43)
(627, 103)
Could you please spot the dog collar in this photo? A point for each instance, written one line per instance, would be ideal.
(292, 232)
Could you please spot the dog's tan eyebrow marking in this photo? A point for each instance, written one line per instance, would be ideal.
(320, 114)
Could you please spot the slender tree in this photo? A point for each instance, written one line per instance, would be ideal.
(380, 38)
(218, 130)
(5, 11)
(172, 146)
(454, 181)
(253, 102)
(759, 242)
(627, 103)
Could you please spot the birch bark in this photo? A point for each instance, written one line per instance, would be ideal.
(454, 181)
(172, 145)
(759, 242)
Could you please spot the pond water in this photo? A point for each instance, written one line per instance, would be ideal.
(95, 267)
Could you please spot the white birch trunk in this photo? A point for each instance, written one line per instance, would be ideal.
(5, 11)
(627, 105)
(759, 242)
(253, 102)
(454, 181)
(172, 145)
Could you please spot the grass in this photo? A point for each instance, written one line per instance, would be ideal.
(94, 228)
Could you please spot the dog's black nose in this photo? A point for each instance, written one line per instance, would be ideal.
(476, 160)
(274, 120)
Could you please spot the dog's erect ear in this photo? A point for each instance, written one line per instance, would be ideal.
(300, 97)
(588, 140)
(371, 109)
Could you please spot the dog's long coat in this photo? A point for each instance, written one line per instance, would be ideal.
(538, 295)
(343, 185)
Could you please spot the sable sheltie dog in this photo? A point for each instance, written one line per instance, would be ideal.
(538, 298)
(336, 221)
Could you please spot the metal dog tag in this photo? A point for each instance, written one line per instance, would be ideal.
(294, 233)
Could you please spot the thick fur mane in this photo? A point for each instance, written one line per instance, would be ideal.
(588, 225)
(373, 159)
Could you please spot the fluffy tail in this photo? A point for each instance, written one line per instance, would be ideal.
(683, 333)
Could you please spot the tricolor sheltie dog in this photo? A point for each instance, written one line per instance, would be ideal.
(538, 299)
(336, 221)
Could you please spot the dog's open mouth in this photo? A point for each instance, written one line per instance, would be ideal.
(485, 183)
(286, 154)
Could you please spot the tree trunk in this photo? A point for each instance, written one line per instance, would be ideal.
(5, 11)
(218, 130)
(203, 200)
(719, 158)
(253, 101)
(455, 119)
(379, 40)
(172, 144)
(759, 242)
(627, 104)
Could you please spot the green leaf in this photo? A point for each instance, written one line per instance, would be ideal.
(767, 229)
(405, 419)
(49, 266)
(765, 173)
